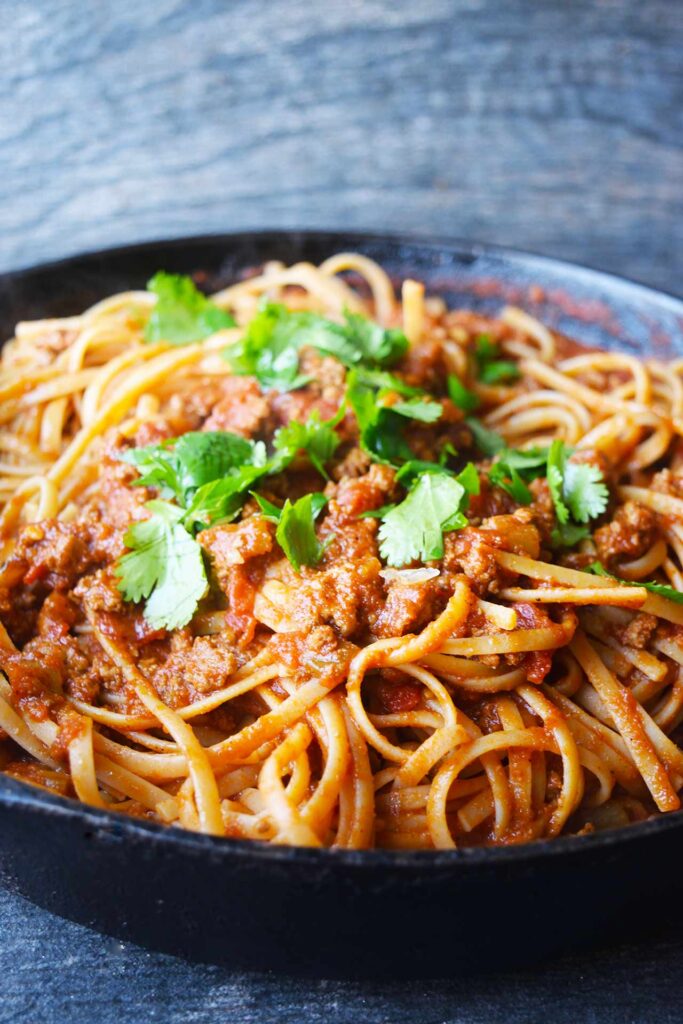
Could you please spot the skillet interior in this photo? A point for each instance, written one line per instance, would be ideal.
(339, 911)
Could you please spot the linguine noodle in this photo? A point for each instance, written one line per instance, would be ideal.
(503, 692)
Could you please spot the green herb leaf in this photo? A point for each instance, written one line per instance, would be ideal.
(295, 527)
(567, 535)
(487, 441)
(414, 529)
(219, 501)
(182, 465)
(270, 347)
(661, 589)
(164, 566)
(182, 314)
(461, 396)
(490, 368)
(514, 467)
(316, 437)
(380, 428)
(578, 489)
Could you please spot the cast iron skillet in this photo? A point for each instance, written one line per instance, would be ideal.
(344, 912)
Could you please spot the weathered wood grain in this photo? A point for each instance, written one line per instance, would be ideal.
(553, 125)
(57, 972)
(546, 124)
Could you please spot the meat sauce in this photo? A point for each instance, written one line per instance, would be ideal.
(321, 616)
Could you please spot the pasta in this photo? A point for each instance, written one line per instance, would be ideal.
(310, 563)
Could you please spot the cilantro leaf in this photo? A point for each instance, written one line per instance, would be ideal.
(164, 566)
(383, 381)
(182, 313)
(203, 456)
(380, 429)
(487, 441)
(556, 462)
(295, 527)
(567, 535)
(316, 437)
(490, 368)
(515, 467)
(468, 477)
(461, 396)
(661, 589)
(577, 489)
(376, 344)
(418, 409)
(182, 465)
(584, 491)
(219, 501)
(270, 347)
(414, 529)
(157, 466)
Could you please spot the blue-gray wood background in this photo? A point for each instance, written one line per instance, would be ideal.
(551, 125)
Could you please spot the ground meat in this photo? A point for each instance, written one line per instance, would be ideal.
(324, 394)
(195, 666)
(100, 592)
(631, 533)
(52, 553)
(355, 463)
(472, 553)
(668, 482)
(57, 616)
(408, 607)
(423, 366)
(346, 595)
(315, 654)
(397, 696)
(356, 495)
(233, 544)
(639, 630)
(242, 409)
(491, 501)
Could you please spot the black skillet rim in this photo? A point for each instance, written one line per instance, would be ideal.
(20, 795)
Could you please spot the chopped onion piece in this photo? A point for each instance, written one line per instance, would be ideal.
(409, 575)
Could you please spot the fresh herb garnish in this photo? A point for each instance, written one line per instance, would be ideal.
(316, 437)
(461, 396)
(661, 589)
(577, 488)
(296, 527)
(487, 441)
(182, 314)
(164, 566)
(209, 475)
(515, 467)
(413, 530)
(380, 422)
(270, 347)
(179, 467)
(491, 369)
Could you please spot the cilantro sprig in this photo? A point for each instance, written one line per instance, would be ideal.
(295, 531)
(491, 369)
(208, 475)
(461, 396)
(316, 437)
(270, 347)
(164, 567)
(182, 313)
(413, 530)
(514, 468)
(578, 491)
(661, 589)
(381, 417)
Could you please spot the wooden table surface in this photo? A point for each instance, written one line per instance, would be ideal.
(551, 125)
